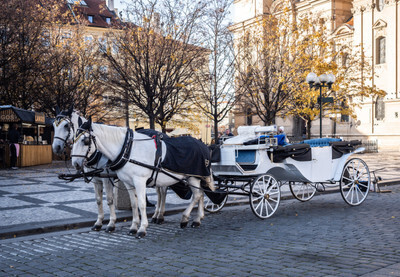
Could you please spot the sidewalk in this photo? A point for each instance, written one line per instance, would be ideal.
(33, 200)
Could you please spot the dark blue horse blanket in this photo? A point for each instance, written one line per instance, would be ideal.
(187, 155)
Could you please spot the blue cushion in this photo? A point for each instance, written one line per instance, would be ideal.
(319, 142)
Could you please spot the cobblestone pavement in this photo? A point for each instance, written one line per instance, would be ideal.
(322, 237)
(34, 200)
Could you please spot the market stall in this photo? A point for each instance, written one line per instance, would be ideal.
(34, 142)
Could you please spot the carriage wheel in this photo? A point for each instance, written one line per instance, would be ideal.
(264, 196)
(355, 182)
(210, 207)
(302, 191)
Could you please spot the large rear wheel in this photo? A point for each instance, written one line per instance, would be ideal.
(265, 195)
(355, 182)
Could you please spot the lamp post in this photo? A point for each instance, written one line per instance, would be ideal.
(323, 80)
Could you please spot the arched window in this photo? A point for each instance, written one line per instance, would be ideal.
(249, 117)
(381, 50)
(379, 109)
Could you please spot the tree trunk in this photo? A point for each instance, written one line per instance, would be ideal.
(215, 130)
(309, 129)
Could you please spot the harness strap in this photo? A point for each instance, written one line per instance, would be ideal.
(157, 159)
(123, 156)
(157, 169)
(94, 158)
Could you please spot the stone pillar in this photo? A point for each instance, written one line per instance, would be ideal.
(121, 197)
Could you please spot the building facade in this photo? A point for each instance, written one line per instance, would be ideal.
(374, 26)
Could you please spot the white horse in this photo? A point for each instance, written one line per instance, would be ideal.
(112, 142)
(64, 125)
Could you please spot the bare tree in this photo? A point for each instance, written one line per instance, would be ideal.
(153, 56)
(22, 26)
(216, 95)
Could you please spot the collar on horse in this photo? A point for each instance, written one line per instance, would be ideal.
(123, 156)
(94, 158)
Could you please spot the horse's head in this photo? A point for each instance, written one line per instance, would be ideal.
(84, 144)
(63, 130)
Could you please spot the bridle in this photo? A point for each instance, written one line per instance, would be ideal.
(87, 140)
(59, 119)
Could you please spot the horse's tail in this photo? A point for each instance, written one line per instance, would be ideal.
(210, 181)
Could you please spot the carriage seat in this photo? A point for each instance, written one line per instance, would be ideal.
(320, 142)
(298, 152)
(343, 147)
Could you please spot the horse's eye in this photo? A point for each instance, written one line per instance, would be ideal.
(66, 126)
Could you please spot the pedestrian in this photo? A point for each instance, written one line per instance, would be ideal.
(228, 133)
(282, 139)
(13, 136)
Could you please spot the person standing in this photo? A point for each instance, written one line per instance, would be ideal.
(13, 136)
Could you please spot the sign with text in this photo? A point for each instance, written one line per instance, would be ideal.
(40, 118)
(8, 116)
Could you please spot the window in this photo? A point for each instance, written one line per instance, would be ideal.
(108, 20)
(379, 109)
(90, 18)
(45, 39)
(103, 72)
(381, 50)
(115, 47)
(344, 59)
(88, 39)
(103, 45)
(88, 72)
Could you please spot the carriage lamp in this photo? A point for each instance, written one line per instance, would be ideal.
(315, 81)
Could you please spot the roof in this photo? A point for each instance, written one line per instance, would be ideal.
(98, 9)
(24, 116)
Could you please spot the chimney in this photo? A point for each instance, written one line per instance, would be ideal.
(110, 5)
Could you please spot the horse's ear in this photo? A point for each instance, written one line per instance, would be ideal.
(70, 110)
(79, 121)
(57, 110)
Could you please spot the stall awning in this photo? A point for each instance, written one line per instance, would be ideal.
(11, 114)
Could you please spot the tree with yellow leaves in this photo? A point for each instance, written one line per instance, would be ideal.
(277, 54)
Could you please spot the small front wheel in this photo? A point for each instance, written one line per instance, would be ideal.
(265, 195)
(355, 182)
(211, 207)
(302, 191)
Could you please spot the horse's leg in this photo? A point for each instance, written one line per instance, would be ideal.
(197, 193)
(98, 189)
(158, 216)
(135, 215)
(157, 208)
(108, 184)
(140, 185)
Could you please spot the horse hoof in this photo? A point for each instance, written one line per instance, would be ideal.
(96, 228)
(195, 224)
(140, 235)
(160, 221)
(184, 224)
(110, 229)
(132, 232)
(154, 220)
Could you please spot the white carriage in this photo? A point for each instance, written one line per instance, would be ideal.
(253, 164)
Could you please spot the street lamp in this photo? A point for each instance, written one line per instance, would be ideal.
(323, 80)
